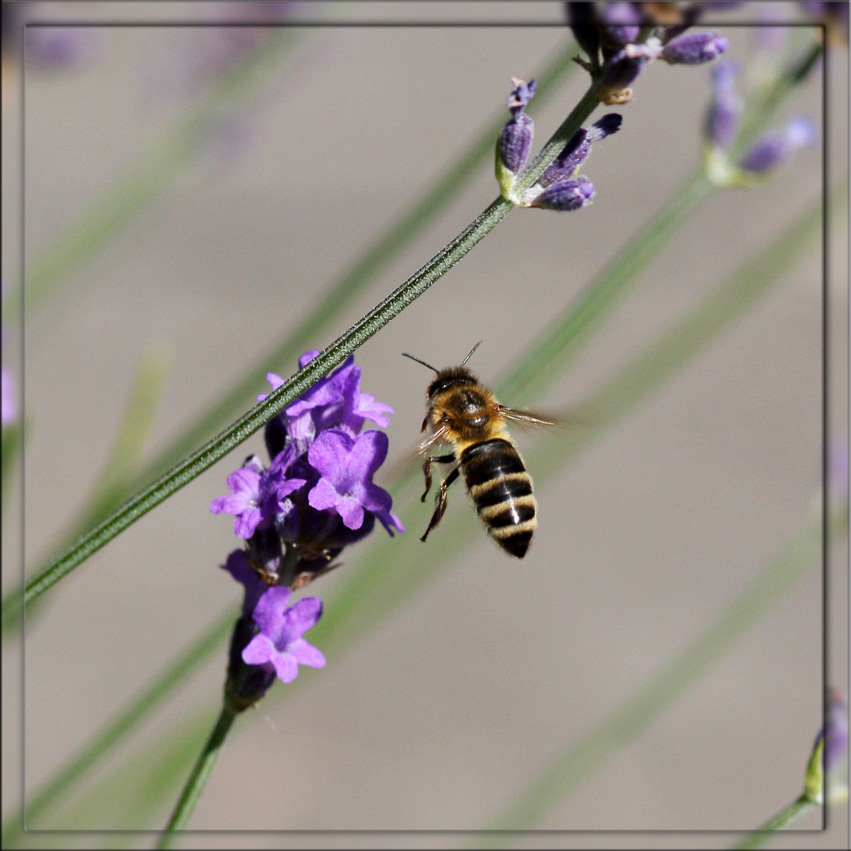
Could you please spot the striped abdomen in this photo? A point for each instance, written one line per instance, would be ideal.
(501, 489)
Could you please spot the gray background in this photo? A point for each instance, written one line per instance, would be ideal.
(446, 709)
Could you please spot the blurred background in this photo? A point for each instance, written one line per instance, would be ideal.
(449, 702)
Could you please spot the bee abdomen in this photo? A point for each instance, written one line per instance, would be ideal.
(501, 489)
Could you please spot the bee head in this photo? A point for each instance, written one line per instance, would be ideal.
(449, 379)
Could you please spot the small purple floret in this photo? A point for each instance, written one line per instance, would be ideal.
(694, 48)
(280, 639)
(346, 466)
(245, 502)
(834, 733)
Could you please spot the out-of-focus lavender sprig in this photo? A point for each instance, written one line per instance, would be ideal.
(560, 187)
(828, 765)
(765, 155)
(296, 516)
(620, 39)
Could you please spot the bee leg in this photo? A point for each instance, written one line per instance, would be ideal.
(440, 502)
(435, 459)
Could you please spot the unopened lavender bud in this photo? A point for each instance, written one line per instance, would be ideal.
(722, 119)
(774, 149)
(622, 23)
(515, 143)
(577, 150)
(573, 155)
(566, 195)
(694, 48)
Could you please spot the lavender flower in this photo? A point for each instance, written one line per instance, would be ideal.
(774, 149)
(316, 498)
(830, 753)
(629, 35)
(346, 466)
(280, 641)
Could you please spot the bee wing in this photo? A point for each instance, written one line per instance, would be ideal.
(437, 437)
(528, 418)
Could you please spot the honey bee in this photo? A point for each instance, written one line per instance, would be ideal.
(466, 417)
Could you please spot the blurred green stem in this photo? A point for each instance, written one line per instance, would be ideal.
(788, 815)
(198, 779)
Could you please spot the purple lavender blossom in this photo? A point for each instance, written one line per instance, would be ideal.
(774, 149)
(280, 641)
(725, 110)
(245, 501)
(566, 195)
(346, 466)
(694, 48)
(629, 35)
(515, 141)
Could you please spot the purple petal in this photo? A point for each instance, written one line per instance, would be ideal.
(229, 504)
(390, 522)
(368, 453)
(275, 380)
(566, 195)
(351, 511)
(323, 495)
(306, 654)
(258, 651)
(374, 498)
(269, 612)
(303, 615)
(286, 667)
(245, 524)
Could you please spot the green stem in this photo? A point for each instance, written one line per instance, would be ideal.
(788, 815)
(198, 778)
(333, 355)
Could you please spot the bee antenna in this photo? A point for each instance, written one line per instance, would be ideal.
(405, 354)
(471, 352)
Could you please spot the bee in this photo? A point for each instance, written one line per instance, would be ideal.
(466, 417)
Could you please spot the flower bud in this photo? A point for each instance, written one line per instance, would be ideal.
(515, 143)
(722, 118)
(694, 48)
(622, 23)
(774, 149)
(566, 195)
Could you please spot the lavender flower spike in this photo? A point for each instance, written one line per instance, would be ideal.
(578, 149)
(694, 48)
(774, 149)
(280, 641)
